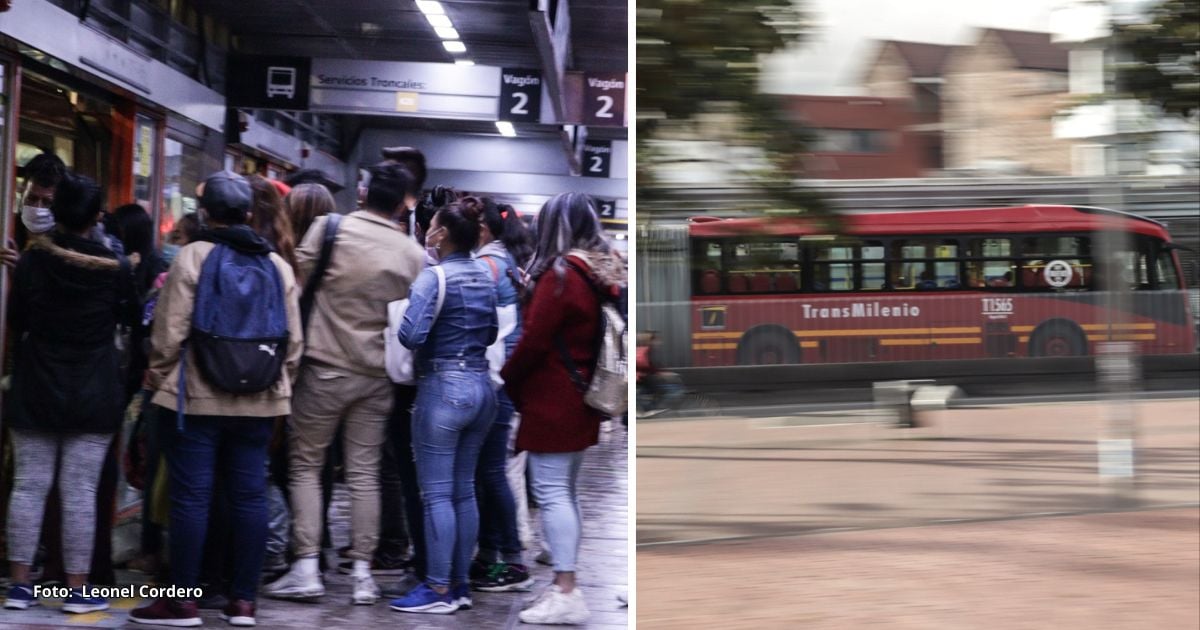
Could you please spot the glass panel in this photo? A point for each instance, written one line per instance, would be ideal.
(988, 247)
(145, 155)
(833, 277)
(996, 274)
(1055, 246)
(764, 267)
(874, 275)
(1167, 278)
(183, 172)
(1133, 269)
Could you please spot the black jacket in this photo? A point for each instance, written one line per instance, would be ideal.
(69, 293)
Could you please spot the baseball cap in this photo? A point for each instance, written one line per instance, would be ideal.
(225, 190)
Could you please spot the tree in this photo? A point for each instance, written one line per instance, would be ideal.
(1164, 57)
(698, 74)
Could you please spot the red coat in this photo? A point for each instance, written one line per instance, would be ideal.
(554, 418)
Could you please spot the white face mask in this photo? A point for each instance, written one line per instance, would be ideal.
(37, 220)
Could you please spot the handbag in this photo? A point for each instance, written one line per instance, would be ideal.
(397, 359)
(497, 353)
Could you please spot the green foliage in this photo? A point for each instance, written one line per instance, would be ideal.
(698, 71)
(1164, 66)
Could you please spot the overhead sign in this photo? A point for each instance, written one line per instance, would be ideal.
(597, 158)
(425, 90)
(260, 82)
(606, 208)
(604, 100)
(520, 95)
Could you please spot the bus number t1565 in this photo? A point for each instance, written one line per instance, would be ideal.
(997, 305)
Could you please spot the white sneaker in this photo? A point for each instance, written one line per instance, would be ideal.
(366, 592)
(296, 584)
(554, 607)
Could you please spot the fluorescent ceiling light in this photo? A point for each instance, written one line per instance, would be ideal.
(506, 129)
(464, 62)
(455, 46)
(430, 7)
(439, 21)
(446, 32)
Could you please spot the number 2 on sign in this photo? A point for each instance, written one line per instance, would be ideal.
(522, 101)
(597, 164)
(606, 104)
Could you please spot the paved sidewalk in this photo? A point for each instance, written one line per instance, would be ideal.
(603, 572)
(1132, 571)
(985, 519)
(730, 477)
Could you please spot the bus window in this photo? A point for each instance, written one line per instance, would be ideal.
(1167, 278)
(1056, 247)
(707, 266)
(874, 274)
(837, 264)
(1133, 270)
(925, 265)
(997, 273)
(1038, 273)
(765, 267)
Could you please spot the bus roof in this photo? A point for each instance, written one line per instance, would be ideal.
(1032, 218)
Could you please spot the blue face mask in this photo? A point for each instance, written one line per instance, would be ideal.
(169, 252)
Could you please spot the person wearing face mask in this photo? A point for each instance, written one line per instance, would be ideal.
(343, 381)
(449, 325)
(42, 174)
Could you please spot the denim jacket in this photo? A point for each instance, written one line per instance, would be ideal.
(467, 323)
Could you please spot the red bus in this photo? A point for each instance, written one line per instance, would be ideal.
(945, 284)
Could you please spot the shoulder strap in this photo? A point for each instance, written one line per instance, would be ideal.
(495, 268)
(308, 297)
(441, 294)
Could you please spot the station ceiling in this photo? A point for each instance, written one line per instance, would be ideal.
(496, 32)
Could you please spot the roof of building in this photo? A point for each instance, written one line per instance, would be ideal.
(1032, 50)
(924, 60)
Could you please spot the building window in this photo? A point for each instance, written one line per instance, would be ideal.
(1086, 71)
(852, 141)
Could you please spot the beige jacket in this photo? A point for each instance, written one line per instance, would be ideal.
(173, 324)
(373, 263)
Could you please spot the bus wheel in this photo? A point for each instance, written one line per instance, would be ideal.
(1058, 339)
(768, 347)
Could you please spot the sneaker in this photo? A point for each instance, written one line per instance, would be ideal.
(215, 601)
(344, 552)
(461, 595)
(425, 600)
(545, 558)
(75, 602)
(478, 570)
(503, 577)
(555, 607)
(365, 590)
(379, 566)
(167, 612)
(296, 585)
(20, 597)
(239, 612)
(146, 563)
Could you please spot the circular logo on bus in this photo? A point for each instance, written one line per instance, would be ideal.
(1058, 273)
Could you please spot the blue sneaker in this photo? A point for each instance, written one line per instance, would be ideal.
(423, 599)
(20, 597)
(77, 603)
(462, 596)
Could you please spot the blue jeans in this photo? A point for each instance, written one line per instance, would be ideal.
(554, 477)
(497, 510)
(238, 447)
(453, 412)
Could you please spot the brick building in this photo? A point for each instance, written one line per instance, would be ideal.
(913, 71)
(999, 100)
(857, 137)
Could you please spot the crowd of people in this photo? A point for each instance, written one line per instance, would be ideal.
(253, 346)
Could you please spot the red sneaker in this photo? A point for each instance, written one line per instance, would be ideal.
(239, 612)
(177, 613)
